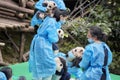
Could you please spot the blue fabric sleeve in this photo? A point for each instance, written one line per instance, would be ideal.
(109, 55)
(35, 21)
(86, 57)
(60, 4)
(52, 32)
(39, 6)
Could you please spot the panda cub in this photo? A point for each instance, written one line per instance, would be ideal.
(50, 5)
(75, 56)
(61, 70)
(60, 33)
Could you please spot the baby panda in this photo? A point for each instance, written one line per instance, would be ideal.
(50, 5)
(60, 33)
(61, 70)
(75, 56)
(61, 36)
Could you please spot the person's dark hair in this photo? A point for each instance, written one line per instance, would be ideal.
(7, 71)
(58, 12)
(98, 33)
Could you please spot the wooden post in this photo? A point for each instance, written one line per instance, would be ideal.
(22, 3)
(30, 4)
(2, 63)
(1, 45)
(22, 44)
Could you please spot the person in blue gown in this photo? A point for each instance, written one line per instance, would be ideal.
(97, 56)
(7, 72)
(41, 60)
(2, 76)
(37, 21)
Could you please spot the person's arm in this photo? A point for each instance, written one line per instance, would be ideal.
(52, 32)
(86, 58)
(39, 6)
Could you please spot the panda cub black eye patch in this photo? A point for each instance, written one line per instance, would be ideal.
(49, 6)
(61, 65)
(59, 31)
(75, 50)
(81, 50)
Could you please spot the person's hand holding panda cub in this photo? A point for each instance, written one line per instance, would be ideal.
(75, 56)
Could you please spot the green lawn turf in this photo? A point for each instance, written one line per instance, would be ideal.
(21, 69)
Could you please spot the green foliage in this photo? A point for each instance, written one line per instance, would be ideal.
(115, 66)
(78, 27)
(66, 46)
(100, 17)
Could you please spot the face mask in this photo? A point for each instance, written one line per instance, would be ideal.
(62, 22)
(71, 56)
(90, 40)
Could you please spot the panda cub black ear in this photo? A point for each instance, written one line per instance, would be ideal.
(44, 4)
(50, 6)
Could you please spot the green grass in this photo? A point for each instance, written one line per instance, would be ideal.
(21, 69)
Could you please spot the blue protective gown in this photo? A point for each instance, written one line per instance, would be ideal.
(41, 61)
(38, 5)
(2, 76)
(93, 60)
(35, 20)
(74, 71)
(60, 54)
